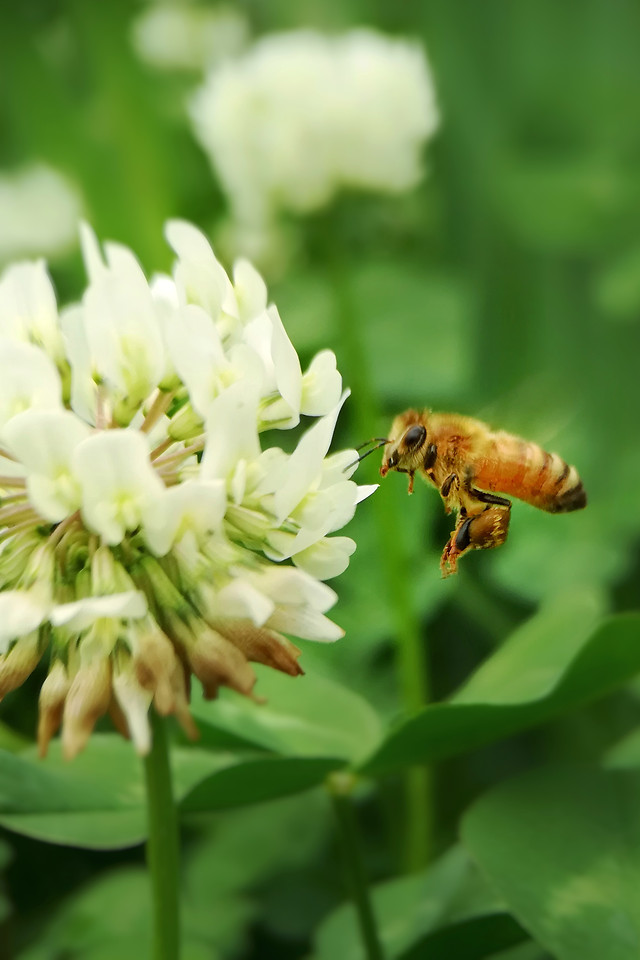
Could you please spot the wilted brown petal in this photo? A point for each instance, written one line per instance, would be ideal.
(216, 661)
(159, 670)
(118, 718)
(88, 699)
(262, 645)
(19, 663)
(53, 694)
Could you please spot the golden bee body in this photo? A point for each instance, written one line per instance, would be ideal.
(470, 464)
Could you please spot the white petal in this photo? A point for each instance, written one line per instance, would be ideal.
(28, 380)
(135, 702)
(81, 614)
(305, 623)
(21, 612)
(287, 585)
(122, 327)
(117, 480)
(286, 363)
(91, 254)
(44, 441)
(239, 599)
(365, 490)
(84, 390)
(304, 465)
(321, 385)
(250, 290)
(231, 431)
(199, 277)
(197, 505)
(28, 309)
(327, 558)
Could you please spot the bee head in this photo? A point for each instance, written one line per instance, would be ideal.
(405, 448)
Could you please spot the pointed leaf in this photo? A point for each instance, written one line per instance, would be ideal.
(563, 657)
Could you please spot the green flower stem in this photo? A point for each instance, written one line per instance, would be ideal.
(339, 786)
(412, 663)
(163, 845)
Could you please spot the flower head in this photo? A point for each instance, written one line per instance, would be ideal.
(302, 115)
(145, 531)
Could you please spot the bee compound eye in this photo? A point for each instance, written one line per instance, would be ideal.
(415, 436)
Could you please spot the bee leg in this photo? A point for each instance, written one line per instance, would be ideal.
(479, 531)
(411, 476)
(450, 485)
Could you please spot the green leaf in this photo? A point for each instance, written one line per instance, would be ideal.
(561, 658)
(562, 848)
(111, 917)
(95, 801)
(309, 716)
(427, 914)
(254, 781)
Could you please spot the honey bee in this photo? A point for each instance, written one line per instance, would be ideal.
(470, 464)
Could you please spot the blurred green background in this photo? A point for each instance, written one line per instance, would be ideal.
(506, 286)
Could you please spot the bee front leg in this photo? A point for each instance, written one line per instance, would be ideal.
(478, 531)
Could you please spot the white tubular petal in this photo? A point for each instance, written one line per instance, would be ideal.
(81, 614)
(287, 585)
(239, 599)
(197, 354)
(231, 431)
(84, 391)
(21, 612)
(327, 558)
(321, 385)
(305, 465)
(135, 702)
(199, 277)
(305, 623)
(28, 309)
(117, 480)
(28, 380)
(91, 254)
(123, 330)
(365, 490)
(44, 441)
(163, 289)
(250, 290)
(196, 505)
(328, 509)
(288, 374)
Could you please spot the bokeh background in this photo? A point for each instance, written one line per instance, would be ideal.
(506, 285)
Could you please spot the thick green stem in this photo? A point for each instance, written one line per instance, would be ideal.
(411, 660)
(163, 850)
(339, 790)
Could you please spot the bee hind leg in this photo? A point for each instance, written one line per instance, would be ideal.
(477, 531)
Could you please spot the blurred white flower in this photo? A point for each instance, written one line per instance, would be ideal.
(39, 210)
(145, 531)
(186, 36)
(302, 115)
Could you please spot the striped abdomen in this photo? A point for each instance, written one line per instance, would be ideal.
(528, 472)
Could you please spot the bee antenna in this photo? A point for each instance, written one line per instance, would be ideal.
(377, 441)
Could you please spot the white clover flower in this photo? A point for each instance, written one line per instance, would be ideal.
(302, 115)
(145, 531)
(39, 210)
(188, 37)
